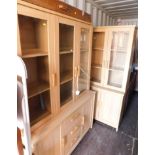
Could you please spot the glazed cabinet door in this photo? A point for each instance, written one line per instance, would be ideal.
(49, 144)
(34, 49)
(65, 46)
(99, 55)
(83, 53)
(119, 57)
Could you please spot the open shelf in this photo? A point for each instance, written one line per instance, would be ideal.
(33, 53)
(39, 107)
(96, 74)
(97, 57)
(37, 87)
(65, 93)
(33, 36)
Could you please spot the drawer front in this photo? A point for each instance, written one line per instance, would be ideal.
(71, 121)
(72, 136)
(71, 130)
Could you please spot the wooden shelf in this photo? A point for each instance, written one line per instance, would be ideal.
(66, 101)
(116, 69)
(95, 80)
(37, 88)
(118, 51)
(66, 77)
(84, 50)
(114, 84)
(96, 66)
(66, 52)
(98, 49)
(33, 53)
(39, 115)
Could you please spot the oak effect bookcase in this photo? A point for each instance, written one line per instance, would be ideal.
(56, 50)
(112, 57)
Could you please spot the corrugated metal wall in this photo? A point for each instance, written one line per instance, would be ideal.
(99, 17)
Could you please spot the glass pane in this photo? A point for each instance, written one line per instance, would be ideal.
(33, 35)
(38, 88)
(84, 53)
(118, 58)
(38, 75)
(120, 41)
(115, 78)
(39, 107)
(66, 35)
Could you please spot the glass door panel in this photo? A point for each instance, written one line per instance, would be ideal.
(35, 54)
(66, 44)
(33, 36)
(84, 60)
(118, 55)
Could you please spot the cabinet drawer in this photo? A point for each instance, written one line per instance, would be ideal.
(71, 136)
(71, 121)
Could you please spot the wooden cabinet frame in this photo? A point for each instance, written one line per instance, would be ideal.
(110, 100)
(48, 62)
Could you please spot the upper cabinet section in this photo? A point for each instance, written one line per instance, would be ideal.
(112, 56)
(57, 54)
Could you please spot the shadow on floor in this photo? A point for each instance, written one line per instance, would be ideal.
(104, 140)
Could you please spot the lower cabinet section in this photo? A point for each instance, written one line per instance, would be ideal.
(108, 106)
(61, 138)
(74, 127)
(49, 144)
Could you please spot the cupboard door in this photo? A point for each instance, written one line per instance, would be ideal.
(108, 106)
(119, 50)
(66, 48)
(33, 42)
(49, 144)
(84, 57)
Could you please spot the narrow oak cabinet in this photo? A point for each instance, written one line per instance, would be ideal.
(56, 50)
(112, 56)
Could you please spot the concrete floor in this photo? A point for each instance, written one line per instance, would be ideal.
(104, 140)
